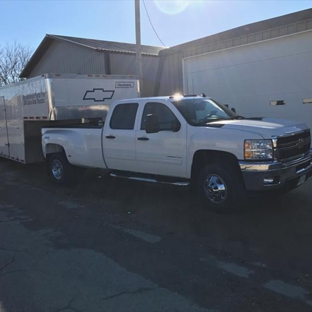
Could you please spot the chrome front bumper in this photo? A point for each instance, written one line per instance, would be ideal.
(259, 176)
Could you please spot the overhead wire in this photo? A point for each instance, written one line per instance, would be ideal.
(152, 24)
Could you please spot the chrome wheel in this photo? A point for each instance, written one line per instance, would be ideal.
(215, 188)
(57, 169)
(60, 169)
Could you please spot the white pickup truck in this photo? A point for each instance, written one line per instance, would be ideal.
(183, 140)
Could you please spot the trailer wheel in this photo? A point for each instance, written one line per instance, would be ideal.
(220, 188)
(60, 169)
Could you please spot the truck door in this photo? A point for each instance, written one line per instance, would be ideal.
(119, 138)
(164, 152)
(4, 137)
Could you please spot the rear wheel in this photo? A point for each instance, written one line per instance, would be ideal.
(220, 187)
(60, 169)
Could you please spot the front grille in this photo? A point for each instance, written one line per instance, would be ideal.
(293, 146)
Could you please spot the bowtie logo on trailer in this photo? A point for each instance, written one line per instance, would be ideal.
(98, 95)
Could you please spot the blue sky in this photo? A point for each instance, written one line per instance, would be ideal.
(176, 22)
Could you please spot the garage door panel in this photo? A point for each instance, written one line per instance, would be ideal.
(251, 76)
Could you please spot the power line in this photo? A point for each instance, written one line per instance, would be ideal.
(152, 24)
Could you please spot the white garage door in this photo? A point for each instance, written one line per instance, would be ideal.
(254, 78)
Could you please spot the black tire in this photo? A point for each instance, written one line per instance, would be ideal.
(221, 188)
(61, 171)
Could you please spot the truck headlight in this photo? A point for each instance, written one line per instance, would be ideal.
(258, 149)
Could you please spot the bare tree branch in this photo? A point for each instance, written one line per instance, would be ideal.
(13, 59)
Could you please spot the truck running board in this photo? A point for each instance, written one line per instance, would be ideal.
(152, 180)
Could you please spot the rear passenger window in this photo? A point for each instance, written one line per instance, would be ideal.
(124, 116)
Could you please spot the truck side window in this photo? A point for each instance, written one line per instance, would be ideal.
(123, 116)
(167, 119)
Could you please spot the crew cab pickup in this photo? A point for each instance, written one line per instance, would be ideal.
(185, 140)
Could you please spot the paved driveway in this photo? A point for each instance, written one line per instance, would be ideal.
(116, 245)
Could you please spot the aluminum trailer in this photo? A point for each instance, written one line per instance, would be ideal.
(52, 100)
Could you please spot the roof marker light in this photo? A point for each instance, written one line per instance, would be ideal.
(177, 96)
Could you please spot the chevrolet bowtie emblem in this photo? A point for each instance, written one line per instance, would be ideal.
(98, 95)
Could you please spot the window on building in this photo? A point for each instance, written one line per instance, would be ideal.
(277, 102)
(307, 101)
(124, 116)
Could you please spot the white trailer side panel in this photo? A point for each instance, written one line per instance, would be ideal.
(18, 101)
(29, 105)
(4, 143)
(75, 95)
(33, 99)
(85, 90)
(253, 77)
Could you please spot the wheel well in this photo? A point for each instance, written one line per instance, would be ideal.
(53, 148)
(206, 157)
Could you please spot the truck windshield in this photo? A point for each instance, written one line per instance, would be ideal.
(201, 111)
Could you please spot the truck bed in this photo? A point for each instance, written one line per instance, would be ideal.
(81, 125)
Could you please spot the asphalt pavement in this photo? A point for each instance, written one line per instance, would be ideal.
(116, 245)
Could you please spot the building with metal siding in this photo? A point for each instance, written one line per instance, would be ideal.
(66, 57)
(170, 70)
(125, 64)
(163, 71)
(62, 54)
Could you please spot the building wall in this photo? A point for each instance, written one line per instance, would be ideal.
(66, 57)
(271, 78)
(169, 76)
(126, 64)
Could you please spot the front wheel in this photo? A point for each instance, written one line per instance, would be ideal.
(60, 169)
(220, 187)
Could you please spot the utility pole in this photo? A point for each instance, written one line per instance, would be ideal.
(138, 45)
